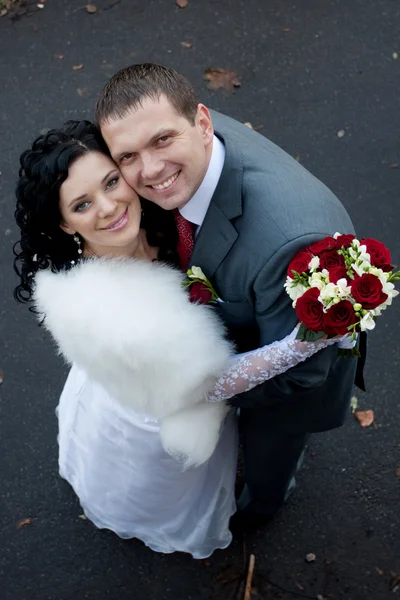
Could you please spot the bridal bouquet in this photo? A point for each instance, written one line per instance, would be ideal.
(340, 285)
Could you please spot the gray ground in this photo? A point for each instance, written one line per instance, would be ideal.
(308, 69)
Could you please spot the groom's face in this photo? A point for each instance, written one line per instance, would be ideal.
(160, 153)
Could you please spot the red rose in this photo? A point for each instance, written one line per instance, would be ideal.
(367, 290)
(337, 273)
(339, 318)
(331, 260)
(310, 311)
(380, 255)
(345, 240)
(198, 292)
(300, 263)
(328, 243)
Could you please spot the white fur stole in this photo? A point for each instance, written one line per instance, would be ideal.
(129, 324)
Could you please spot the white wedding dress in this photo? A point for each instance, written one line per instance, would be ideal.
(125, 480)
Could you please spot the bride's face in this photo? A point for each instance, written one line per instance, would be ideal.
(98, 204)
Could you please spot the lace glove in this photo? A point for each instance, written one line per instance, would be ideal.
(253, 368)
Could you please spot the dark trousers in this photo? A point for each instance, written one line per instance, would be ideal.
(271, 460)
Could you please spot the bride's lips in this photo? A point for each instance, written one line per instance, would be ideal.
(118, 223)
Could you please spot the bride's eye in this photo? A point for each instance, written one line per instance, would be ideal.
(82, 206)
(111, 183)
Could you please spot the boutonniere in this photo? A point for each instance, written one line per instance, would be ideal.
(200, 287)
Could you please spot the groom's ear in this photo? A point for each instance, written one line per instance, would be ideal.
(204, 124)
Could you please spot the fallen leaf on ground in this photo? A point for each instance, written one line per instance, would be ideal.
(91, 8)
(353, 404)
(1, 377)
(59, 56)
(364, 417)
(77, 67)
(221, 79)
(379, 571)
(394, 165)
(394, 581)
(248, 124)
(285, 29)
(310, 557)
(23, 522)
(82, 91)
(341, 133)
(182, 3)
(299, 586)
(186, 44)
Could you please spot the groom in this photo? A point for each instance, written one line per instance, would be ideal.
(251, 208)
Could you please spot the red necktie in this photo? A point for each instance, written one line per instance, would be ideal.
(185, 239)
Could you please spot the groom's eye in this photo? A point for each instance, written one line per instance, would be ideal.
(163, 139)
(126, 157)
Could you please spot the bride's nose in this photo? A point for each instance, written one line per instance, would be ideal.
(106, 206)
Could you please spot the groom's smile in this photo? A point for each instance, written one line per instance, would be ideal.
(161, 154)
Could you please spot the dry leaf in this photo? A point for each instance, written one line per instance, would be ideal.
(341, 133)
(82, 91)
(91, 8)
(379, 571)
(299, 586)
(59, 56)
(310, 557)
(23, 522)
(77, 67)
(364, 417)
(221, 79)
(1, 377)
(353, 404)
(182, 3)
(394, 581)
(186, 44)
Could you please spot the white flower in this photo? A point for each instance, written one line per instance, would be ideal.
(197, 273)
(316, 280)
(361, 268)
(367, 322)
(343, 290)
(355, 243)
(313, 264)
(294, 291)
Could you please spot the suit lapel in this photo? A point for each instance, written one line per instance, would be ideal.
(217, 234)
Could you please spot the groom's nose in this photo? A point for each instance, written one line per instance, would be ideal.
(151, 166)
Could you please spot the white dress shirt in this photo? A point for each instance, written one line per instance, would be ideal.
(195, 210)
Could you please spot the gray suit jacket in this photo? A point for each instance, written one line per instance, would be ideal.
(266, 208)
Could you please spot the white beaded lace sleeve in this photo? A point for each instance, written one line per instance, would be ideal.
(253, 368)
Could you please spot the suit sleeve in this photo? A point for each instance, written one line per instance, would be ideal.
(276, 318)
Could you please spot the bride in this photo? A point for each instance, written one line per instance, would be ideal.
(146, 437)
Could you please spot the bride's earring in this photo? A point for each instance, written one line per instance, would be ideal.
(78, 243)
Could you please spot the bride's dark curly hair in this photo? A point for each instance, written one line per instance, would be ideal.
(43, 169)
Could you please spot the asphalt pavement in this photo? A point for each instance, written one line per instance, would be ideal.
(308, 70)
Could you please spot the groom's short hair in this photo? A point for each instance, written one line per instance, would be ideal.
(127, 89)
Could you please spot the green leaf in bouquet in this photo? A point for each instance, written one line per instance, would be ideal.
(349, 352)
(306, 335)
(313, 336)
